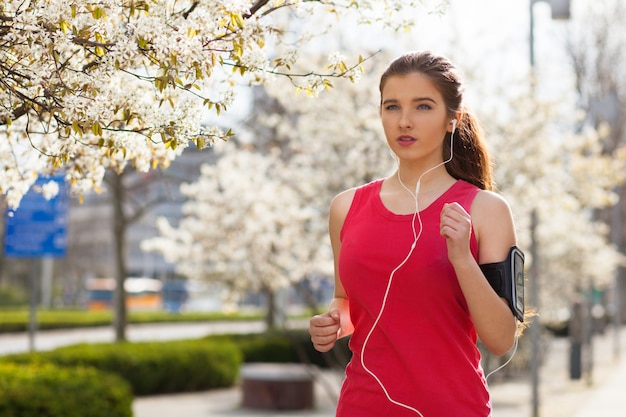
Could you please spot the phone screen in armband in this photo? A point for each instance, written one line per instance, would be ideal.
(518, 274)
(507, 280)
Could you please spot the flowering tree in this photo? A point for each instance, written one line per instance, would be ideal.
(241, 227)
(547, 164)
(88, 86)
(256, 220)
(599, 62)
(91, 86)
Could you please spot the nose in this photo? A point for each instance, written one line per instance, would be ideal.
(405, 120)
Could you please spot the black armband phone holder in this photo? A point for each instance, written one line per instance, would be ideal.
(507, 279)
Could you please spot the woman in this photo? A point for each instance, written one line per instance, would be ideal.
(407, 250)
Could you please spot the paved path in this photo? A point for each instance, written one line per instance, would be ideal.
(51, 339)
(559, 396)
(608, 400)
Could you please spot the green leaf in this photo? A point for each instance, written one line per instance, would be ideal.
(76, 128)
(96, 129)
(98, 13)
(237, 20)
(64, 26)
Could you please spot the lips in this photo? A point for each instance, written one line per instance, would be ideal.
(406, 140)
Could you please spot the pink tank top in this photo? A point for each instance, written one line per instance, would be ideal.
(423, 349)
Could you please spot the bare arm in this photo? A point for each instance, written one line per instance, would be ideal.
(326, 328)
(492, 222)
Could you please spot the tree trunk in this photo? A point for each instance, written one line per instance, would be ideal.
(577, 339)
(119, 234)
(271, 308)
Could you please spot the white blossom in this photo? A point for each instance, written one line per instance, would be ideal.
(545, 166)
(95, 85)
(258, 218)
(50, 189)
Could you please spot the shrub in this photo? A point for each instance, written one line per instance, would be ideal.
(290, 346)
(153, 367)
(13, 297)
(47, 391)
(267, 347)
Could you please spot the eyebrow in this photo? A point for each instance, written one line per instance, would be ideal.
(414, 100)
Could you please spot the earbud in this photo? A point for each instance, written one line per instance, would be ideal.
(453, 125)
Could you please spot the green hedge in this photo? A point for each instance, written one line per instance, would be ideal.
(152, 367)
(48, 391)
(16, 320)
(13, 297)
(176, 366)
(289, 346)
(104, 376)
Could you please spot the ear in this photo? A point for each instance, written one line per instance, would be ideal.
(457, 117)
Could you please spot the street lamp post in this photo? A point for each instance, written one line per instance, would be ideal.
(560, 10)
(535, 328)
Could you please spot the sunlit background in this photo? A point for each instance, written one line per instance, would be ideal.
(242, 226)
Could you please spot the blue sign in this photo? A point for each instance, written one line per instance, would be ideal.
(38, 227)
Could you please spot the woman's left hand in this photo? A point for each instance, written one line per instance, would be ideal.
(455, 226)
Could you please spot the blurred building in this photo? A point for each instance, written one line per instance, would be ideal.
(91, 249)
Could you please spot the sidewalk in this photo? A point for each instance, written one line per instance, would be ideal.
(593, 396)
(559, 396)
(52, 339)
(608, 399)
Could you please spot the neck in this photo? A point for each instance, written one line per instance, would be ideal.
(427, 178)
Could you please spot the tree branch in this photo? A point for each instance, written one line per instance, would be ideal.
(255, 8)
(191, 9)
(17, 113)
(87, 42)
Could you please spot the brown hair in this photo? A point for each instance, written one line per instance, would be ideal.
(470, 161)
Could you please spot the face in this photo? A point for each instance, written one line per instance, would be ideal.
(414, 118)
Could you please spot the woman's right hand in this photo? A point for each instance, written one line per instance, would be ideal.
(324, 330)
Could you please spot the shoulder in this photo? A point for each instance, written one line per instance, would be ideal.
(339, 207)
(343, 200)
(492, 220)
(489, 201)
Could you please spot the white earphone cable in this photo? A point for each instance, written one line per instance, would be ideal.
(416, 237)
(510, 357)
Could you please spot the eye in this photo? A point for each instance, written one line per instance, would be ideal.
(424, 106)
(392, 107)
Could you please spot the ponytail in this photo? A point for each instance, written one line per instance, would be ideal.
(470, 160)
